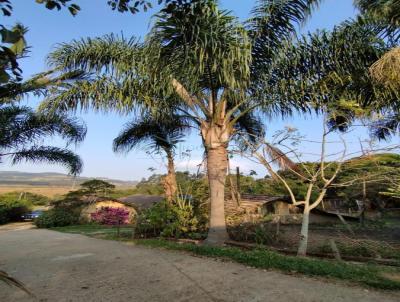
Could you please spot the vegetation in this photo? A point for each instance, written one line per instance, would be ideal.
(96, 187)
(171, 220)
(160, 133)
(14, 204)
(199, 67)
(21, 130)
(215, 78)
(57, 217)
(111, 216)
(12, 208)
(91, 189)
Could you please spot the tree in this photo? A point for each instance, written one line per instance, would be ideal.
(22, 131)
(96, 186)
(158, 133)
(315, 177)
(218, 68)
(384, 13)
(331, 70)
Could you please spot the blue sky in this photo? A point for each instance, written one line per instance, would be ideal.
(47, 28)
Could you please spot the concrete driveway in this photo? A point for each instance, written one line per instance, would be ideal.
(68, 267)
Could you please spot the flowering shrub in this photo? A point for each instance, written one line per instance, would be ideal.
(111, 216)
(175, 220)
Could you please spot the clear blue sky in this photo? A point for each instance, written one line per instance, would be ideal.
(47, 28)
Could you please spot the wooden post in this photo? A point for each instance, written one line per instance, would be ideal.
(362, 216)
(238, 184)
(348, 227)
(335, 250)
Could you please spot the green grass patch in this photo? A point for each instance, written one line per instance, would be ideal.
(95, 229)
(364, 274)
(370, 275)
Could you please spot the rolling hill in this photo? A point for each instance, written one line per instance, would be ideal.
(49, 179)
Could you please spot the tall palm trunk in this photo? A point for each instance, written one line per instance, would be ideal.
(170, 184)
(215, 138)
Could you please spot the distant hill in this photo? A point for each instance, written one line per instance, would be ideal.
(13, 178)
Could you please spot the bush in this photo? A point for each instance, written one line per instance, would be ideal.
(12, 207)
(57, 217)
(169, 220)
(111, 216)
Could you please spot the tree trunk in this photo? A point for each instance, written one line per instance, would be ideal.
(170, 185)
(217, 165)
(215, 139)
(302, 250)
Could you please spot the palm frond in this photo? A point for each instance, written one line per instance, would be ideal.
(158, 132)
(250, 128)
(14, 282)
(278, 157)
(39, 85)
(51, 155)
(20, 126)
(274, 21)
(109, 54)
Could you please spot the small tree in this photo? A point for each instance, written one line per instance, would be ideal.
(111, 216)
(317, 177)
(97, 187)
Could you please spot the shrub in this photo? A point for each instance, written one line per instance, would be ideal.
(57, 217)
(169, 220)
(111, 216)
(12, 207)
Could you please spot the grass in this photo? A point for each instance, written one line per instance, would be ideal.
(106, 232)
(363, 274)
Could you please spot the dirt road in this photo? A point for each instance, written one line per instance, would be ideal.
(67, 267)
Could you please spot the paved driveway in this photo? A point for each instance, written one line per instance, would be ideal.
(67, 267)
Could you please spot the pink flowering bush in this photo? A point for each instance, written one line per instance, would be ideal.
(111, 216)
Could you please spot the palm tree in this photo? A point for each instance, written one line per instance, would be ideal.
(219, 69)
(385, 14)
(22, 131)
(157, 135)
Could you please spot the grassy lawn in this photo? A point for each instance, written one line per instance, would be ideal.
(96, 230)
(364, 274)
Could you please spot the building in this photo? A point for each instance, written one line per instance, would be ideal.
(134, 204)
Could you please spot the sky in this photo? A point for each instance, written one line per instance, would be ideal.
(48, 28)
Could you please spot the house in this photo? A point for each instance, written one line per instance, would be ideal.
(134, 204)
(141, 202)
(261, 205)
(279, 207)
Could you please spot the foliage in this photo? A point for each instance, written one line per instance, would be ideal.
(22, 131)
(57, 217)
(205, 64)
(384, 11)
(159, 132)
(118, 193)
(12, 207)
(150, 186)
(31, 198)
(111, 216)
(168, 220)
(373, 169)
(97, 187)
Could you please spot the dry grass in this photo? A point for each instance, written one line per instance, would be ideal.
(46, 191)
(387, 69)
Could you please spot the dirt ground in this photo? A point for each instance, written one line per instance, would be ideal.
(69, 267)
